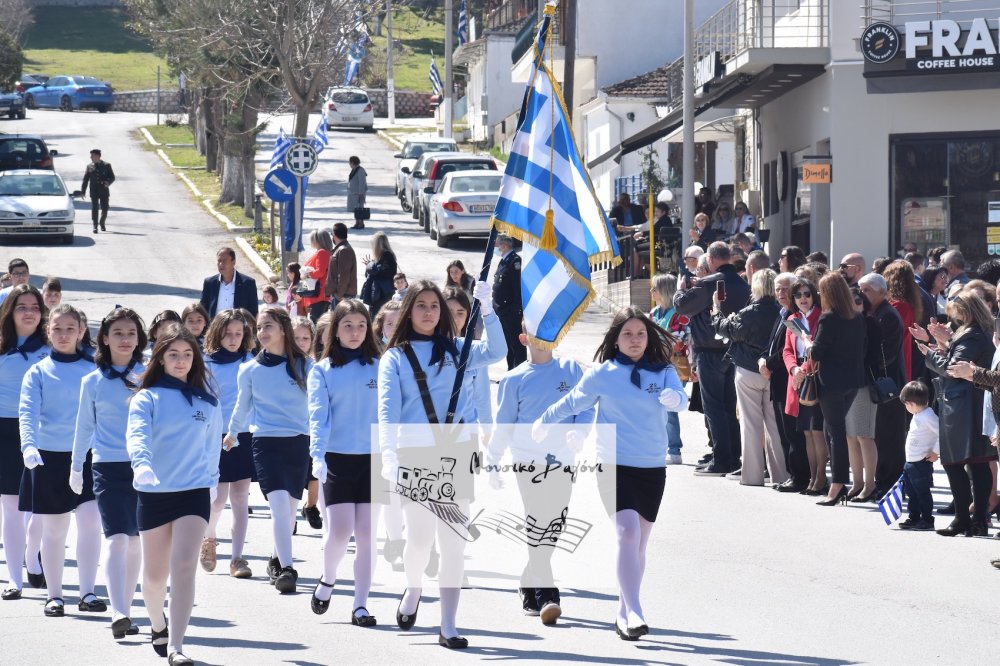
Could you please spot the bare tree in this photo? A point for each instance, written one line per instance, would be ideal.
(15, 18)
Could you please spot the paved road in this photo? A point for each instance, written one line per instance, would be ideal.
(735, 575)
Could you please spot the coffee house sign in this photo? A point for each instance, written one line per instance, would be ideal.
(939, 46)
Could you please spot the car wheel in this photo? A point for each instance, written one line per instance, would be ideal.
(65, 104)
(102, 109)
(425, 221)
(12, 115)
(434, 231)
(29, 101)
(22, 115)
(414, 211)
(443, 241)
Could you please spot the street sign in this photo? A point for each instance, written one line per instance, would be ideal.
(280, 185)
(301, 159)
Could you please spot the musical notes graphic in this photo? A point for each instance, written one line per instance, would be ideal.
(564, 533)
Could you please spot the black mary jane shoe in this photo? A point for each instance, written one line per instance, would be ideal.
(178, 659)
(11, 594)
(637, 632)
(37, 580)
(160, 648)
(406, 622)
(624, 635)
(453, 643)
(318, 605)
(55, 607)
(133, 630)
(120, 628)
(94, 606)
(365, 620)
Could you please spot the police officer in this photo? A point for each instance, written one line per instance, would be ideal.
(507, 299)
(99, 176)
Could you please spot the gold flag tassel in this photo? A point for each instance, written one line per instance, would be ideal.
(548, 241)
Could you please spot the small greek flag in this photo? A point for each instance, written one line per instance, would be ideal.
(354, 58)
(281, 145)
(435, 78)
(891, 505)
(319, 139)
(463, 23)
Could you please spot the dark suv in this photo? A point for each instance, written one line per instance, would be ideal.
(24, 151)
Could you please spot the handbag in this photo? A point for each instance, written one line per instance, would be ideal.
(362, 213)
(883, 389)
(809, 390)
(308, 288)
(679, 359)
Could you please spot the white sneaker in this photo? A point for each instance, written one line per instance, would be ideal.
(674, 459)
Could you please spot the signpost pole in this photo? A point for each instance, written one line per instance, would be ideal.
(300, 203)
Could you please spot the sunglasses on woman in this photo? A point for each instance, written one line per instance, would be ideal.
(802, 294)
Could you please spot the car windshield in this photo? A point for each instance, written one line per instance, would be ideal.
(415, 150)
(21, 148)
(87, 81)
(463, 166)
(19, 185)
(468, 184)
(350, 98)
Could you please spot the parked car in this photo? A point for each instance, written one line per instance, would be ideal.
(29, 81)
(348, 107)
(412, 150)
(438, 167)
(69, 93)
(463, 205)
(11, 104)
(25, 151)
(414, 182)
(35, 202)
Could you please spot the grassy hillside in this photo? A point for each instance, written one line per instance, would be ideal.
(94, 42)
(414, 37)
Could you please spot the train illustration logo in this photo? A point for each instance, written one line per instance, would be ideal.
(421, 484)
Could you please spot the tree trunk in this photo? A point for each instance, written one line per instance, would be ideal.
(211, 131)
(301, 121)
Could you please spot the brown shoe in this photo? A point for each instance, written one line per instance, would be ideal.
(550, 613)
(240, 569)
(207, 557)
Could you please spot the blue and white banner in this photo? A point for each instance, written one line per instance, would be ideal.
(354, 58)
(281, 145)
(292, 235)
(435, 78)
(319, 138)
(463, 23)
(891, 505)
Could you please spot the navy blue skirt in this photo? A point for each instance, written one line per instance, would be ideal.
(45, 490)
(117, 499)
(11, 461)
(157, 509)
(349, 479)
(282, 463)
(639, 489)
(237, 463)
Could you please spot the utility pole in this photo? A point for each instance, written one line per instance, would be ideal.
(569, 71)
(390, 84)
(449, 46)
(687, 165)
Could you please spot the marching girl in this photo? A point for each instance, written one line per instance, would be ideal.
(101, 422)
(386, 320)
(305, 332)
(478, 379)
(227, 348)
(173, 444)
(50, 395)
(161, 319)
(633, 387)
(343, 395)
(425, 338)
(195, 319)
(273, 386)
(23, 342)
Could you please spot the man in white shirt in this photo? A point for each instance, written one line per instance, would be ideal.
(228, 289)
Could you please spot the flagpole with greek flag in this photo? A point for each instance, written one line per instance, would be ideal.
(891, 504)
(463, 22)
(434, 76)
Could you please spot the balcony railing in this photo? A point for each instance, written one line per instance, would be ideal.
(510, 15)
(897, 12)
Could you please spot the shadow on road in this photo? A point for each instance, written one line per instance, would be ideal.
(130, 288)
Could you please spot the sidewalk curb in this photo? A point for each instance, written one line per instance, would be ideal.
(256, 259)
(395, 142)
(149, 137)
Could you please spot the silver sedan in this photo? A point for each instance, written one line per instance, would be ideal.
(35, 202)
(463, 205)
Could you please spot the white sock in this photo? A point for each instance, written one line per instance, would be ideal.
(364, 556)
(55, 527)
(122, 572)
(630, 564)
(239, 501)
(132, 570)
(14, 537)
(88, 545)
(449, 610)
(392, 514)
(283, 508)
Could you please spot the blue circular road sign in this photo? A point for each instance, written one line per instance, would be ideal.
(280, 185)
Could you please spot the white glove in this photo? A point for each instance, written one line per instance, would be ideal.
(671, 399)
(32, 458)
(213, 494)
(496, 483)
(540, 431)
(390, 466)
(484, 294)
(76, 481)
(145, 476)
(319, 470)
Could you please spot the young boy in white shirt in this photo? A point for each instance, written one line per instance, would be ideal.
(922, 449)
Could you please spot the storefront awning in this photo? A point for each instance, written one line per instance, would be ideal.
(718, 129)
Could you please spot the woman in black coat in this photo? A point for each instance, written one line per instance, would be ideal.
(380, 269)
(960, 407)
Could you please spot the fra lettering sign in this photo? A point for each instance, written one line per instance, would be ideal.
(815, 174)
(940, 46)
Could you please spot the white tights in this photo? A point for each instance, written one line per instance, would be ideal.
(633, 535)
(392, 514)
(13, 539)
(283, 510)
(343, 520)
(88, 545)
(33, 543)
(171, 550)
(122, 572)
(238, 494)
(421, 528)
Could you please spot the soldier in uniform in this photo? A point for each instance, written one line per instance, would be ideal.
(99, 176)
(507, 299)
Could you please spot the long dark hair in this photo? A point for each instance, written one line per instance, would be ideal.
(794, 257)
(199, 309)
(331, 345)
(659, 342)
(197, 376)
(379, 324)
(448, 282)
(164, 317)
(404, 329)
(902, 284)
(837, 296)
(103, 356)
(457, 293)
(295, 358)
(217, 330)
(8, 332)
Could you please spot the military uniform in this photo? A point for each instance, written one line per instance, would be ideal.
(507, 304)
(99, 176)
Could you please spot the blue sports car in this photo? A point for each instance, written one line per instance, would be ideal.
(70, 92)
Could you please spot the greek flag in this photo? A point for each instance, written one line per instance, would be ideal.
(435, 78)
(281, 145)
(891, 505)
(463, 23)
(354, 57)
(547, 201)
(319, 139)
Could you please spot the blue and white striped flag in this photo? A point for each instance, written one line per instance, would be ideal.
(435, 78)
(354, 58)
(891, 505)
(547, 201)
(281, 145)
(319, 138)
(463, 23)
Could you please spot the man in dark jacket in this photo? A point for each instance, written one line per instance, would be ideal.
(99, 176)
(342, 271)
(627, 214)
(716, 372)
(228, 289)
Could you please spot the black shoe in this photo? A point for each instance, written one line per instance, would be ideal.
(924, 525)
(624, 635)
(120, 627)
(908, 524)
(454, 643)
(954, 529)
(790, 487)
(37, 580)
(273, 569)
(705, 459)
(636, 632)
(154, 636)
(365, 620)
(95, 230)
(977, 529)
(286, 580)
(712, 470)
(406, 622)
(318, 606)
(55, 607)
(102, 227)
(178, 659)
(840, 498)
(94, 606)
(311, 514)
(528, 602)
(11, 594)
(947, 510)
(816, 493)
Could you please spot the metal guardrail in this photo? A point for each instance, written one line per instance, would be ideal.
(897, 12)
(507, 13)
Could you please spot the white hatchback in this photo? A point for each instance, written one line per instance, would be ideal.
(348, 107)
(35, 202)
(463, 205)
